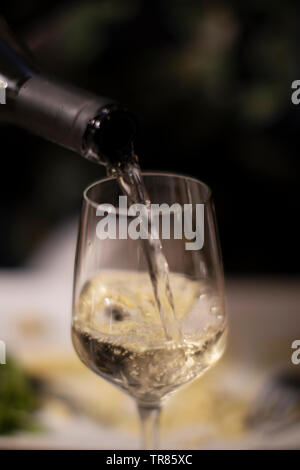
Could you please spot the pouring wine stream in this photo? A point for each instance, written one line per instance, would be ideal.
(129, 176)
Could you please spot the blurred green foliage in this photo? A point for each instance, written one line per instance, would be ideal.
(18, 399)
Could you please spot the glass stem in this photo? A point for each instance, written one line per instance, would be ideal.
(149, 419)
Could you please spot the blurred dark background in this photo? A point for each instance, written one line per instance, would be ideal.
(211, 84)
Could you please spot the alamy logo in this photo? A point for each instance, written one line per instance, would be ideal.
(140, 221)
(296, 354)
(3, 86)
(2, 352)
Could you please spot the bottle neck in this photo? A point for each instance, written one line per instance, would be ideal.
(93, 126)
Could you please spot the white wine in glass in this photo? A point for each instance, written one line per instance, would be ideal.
(117, 327)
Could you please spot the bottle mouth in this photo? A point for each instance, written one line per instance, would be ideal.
(110, 135)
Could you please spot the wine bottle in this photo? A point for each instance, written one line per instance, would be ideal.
(95, 127)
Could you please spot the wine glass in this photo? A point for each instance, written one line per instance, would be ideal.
(117, 328)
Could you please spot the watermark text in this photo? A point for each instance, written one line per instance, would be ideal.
(139, 221)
